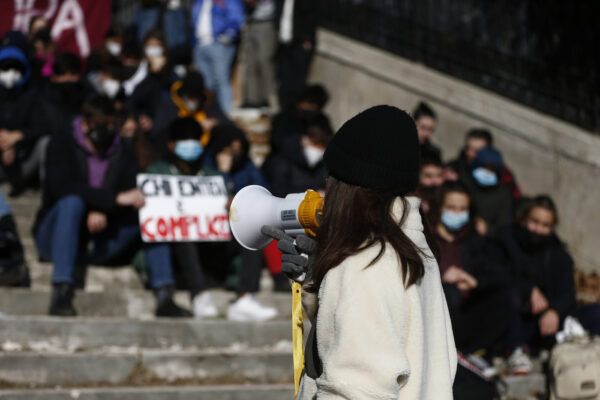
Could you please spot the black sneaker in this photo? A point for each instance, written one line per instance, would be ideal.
(61, 304)
(166, 307)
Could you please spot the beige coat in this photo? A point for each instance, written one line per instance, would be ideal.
(377, 339)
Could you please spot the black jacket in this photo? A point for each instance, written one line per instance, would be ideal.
(549, 267)
(288, 172)
(305, 18)
(67, 174)
(21, 109)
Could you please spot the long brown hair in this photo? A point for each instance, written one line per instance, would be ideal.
(356, 218)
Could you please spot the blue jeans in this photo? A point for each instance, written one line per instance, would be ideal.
(213, 61)
(4, 206)
(58, 238)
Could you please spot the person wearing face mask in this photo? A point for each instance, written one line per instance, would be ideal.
(476, 287)
(89, 205)
(431, 177)
(493, 201)
(299, 165)
(22, 118)
(111, 47)
(542, 271)
(187, 156)
(292, 120)
(475, 140)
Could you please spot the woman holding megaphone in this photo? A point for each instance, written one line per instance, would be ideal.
(381, 328)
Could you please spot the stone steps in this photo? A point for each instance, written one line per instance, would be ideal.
(212, 392)
(130, 303)
(77, 334)
(144, 367)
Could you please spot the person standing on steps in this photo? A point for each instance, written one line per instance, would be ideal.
(381, 323)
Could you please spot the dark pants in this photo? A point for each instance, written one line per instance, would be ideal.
(293, 63)
(524, 331)
(194, 260)
(62, 238)
(481, 318)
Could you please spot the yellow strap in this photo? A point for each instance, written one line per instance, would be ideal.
(298, 343)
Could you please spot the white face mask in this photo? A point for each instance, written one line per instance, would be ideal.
(312, 155)
(153, 51)
(113, 48)
(111, 87)
(10, 78)
(191, 105)
(180, 70)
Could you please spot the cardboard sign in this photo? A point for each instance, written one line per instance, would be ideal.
(183, 208)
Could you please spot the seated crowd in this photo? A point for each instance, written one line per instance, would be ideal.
(83, 132)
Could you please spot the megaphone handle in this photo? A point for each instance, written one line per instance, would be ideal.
(297, 327)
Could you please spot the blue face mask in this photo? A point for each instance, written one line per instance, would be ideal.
(188, 150)
(485, 177)
(454, 221)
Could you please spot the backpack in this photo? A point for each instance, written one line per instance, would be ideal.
(575, 370)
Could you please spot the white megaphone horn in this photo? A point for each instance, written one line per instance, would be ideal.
(254, 206)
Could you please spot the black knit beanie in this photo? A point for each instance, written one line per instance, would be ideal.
(378, 148)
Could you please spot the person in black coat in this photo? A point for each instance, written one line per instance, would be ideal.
(90, 201)
(22, 118)
(480, 301)
(299, 165)
(542, 271)
(296, 24)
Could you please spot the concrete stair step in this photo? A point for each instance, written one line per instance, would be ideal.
(220, 392)
(117, 302)
(144, 367)
(525, 386)
(64, 335)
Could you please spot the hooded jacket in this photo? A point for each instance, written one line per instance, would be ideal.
(377, 339)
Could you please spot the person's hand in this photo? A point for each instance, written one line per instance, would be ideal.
(96, 221)
(481, 226)
(539, 303)
(549, 323)
(450, 174)
(452, 275)
(298, 254)
(466, 282)
(224, 161)
(8, 139)
(8, 156)
(307, 45)
(131, 198)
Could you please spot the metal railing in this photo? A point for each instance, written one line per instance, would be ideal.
(540, 53)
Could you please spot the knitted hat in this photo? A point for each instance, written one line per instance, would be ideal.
(486, 157)
(378, 148)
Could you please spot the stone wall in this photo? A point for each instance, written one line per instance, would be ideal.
(546, 154)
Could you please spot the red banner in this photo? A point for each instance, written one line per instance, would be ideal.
(78, 26)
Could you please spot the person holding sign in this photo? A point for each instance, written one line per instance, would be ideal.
(187, 157)
(88, 213)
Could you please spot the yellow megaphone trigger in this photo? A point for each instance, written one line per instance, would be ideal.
(310, 211)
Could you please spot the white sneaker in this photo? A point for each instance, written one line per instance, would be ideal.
(247, 308)
(519, 363)
(204, 306)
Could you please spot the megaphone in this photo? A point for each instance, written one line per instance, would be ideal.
(254, 206)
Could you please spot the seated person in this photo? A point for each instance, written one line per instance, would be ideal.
(476, 287)
(186, 156)
(542, 271)
(431, 177)
(477, 139)
(493, 202)
(188, 98)
(22, 120)
(299, 165)
(90, 201)
(292, 120)
(426, 122)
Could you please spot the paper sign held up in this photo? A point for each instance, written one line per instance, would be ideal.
(183, 208)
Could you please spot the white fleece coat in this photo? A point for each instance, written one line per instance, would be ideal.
(377, 339)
